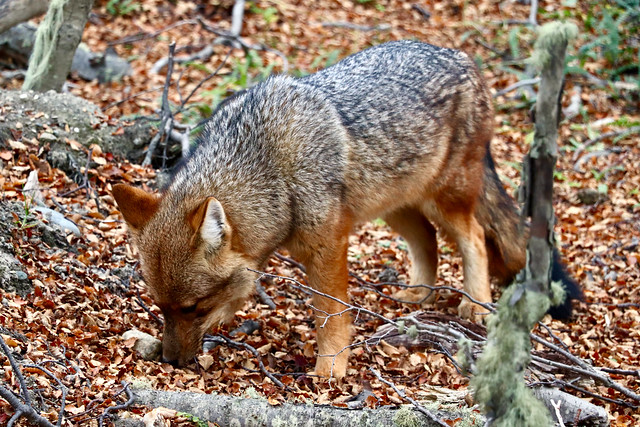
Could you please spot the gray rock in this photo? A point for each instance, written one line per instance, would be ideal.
(589, 196)
(18, 42)
(83, 120)
(12, 275)
(147, 346)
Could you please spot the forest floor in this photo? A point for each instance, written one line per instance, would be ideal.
(87, 289)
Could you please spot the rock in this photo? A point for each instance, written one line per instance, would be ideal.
(104, 68)
(589, 196)
(52, 118)
(147, 346)
(47, 137)
(12, 275)
(18, 41)
(388, 275)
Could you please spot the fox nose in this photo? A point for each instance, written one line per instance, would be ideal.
(173, 363)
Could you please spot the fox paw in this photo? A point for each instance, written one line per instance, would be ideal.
(471, 311)
(415, 295)
(328, 367)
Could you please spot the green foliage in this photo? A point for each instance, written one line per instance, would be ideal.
(379, 222)
(122, 7)
(514, 36)
(625, 122)
(269, 14)
(614, 24)
(384, 243)
(245, 73)
(327, 59)
(26, 219)
(195, 420)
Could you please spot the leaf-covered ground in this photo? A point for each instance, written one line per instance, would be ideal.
(87, 290)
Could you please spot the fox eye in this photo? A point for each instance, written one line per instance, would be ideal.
(189, 309)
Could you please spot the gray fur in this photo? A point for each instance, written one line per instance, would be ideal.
(292, 149)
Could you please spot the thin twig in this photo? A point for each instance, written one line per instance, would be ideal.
(589, 372)
(16, 371)
(533, 12)
(210, 76)
(147, 309)
(592, 154)
(63, 397)
(122, 406)
(404, 396)
(616, 133)
(290, 261)
(22, 409)
(221, 339)
(166, 114)
(142, 36)
(517, 85)
(266, 299)
(356, 27)
(556, 406)
(129, 98)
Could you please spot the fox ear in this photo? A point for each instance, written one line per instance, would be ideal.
(136, 205)
(210, 222)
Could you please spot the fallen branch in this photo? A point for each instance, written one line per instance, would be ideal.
(23, 407)
(598, 153)
(119, 407)
(230, 410)
(517, 85)
(613, 134)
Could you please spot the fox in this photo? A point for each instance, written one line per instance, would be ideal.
(399, 131)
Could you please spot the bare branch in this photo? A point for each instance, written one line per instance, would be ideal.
(404, 396)
(221, 339)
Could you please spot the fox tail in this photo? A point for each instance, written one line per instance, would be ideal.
(506, 239)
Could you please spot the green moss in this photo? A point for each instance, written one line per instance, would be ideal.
(406, 417)
(549, 35)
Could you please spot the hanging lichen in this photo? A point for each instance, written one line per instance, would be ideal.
(498, 382)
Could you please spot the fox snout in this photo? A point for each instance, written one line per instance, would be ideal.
(184, 332)
(181, 341)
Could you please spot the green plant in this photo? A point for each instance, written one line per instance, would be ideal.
(269, 14)
(25, 221)
(195, 420)
(122, 7)
(327, 59)
(379, 222)
(244, 74)
(614, 24)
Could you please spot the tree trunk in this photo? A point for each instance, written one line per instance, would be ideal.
(13, 12)
(56, 41)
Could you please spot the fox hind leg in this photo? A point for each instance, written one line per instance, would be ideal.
(420, 236)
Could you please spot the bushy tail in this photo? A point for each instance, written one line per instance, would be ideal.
(506, 239)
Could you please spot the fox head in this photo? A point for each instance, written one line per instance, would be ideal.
(193, 270)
